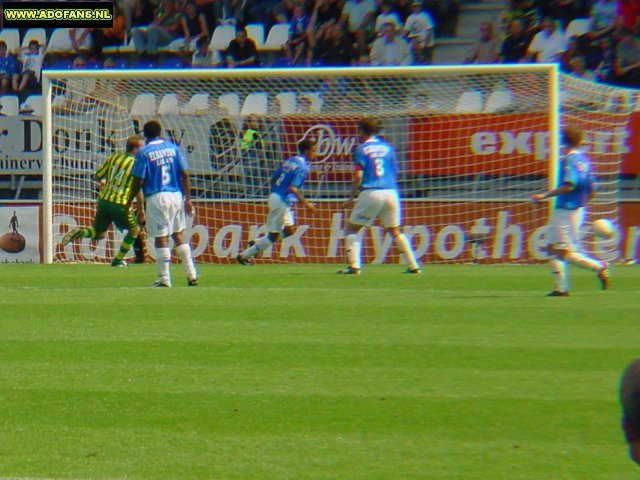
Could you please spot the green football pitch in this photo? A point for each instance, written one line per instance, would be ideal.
(293, 372)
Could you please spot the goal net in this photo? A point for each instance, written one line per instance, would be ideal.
(473, 144)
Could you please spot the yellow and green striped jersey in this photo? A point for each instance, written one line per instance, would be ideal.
(117, 172)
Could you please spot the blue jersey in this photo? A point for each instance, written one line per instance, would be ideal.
(160, 164)
(576, 170)
(377, 160)
(293, 172)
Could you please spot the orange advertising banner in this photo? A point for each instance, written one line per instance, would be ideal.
(492, 232)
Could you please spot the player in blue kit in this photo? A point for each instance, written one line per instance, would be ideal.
(575, 189)
(286, 183)
(375, 184)
(161, 170)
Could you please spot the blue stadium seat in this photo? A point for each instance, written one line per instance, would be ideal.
(171, 62)
(144, 64)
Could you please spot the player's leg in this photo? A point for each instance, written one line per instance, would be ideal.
(101, 224)
(630, 402)
(124, 219)
(364, 212)
(575, 255)
(558, 236)
(158, 218)
(390, 219)
(183, 247)
(279, 212)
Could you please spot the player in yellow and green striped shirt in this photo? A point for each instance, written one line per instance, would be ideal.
(113, 202)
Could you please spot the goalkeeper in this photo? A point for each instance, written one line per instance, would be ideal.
(113, 202)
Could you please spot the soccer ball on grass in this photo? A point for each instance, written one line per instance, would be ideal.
(603, 228)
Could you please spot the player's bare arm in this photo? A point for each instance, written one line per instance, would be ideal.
(561, 190)
(356, 181)
(186, 192)
(308, 205)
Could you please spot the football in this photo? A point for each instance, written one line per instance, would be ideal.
(603, 228)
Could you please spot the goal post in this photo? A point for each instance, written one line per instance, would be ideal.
(473, 144)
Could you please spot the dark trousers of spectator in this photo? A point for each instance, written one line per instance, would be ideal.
(630, 79)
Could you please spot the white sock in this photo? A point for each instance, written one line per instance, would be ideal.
(559, 270)
(261, 244)
(583, 261)
(163, 264)
(352, 247)
(405, 249)
(184, 251)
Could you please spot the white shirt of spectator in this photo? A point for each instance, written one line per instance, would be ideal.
(211, 59)
(548, 47)
(386, 18)
(420, 26)
(357, 10)
(396, 52)
(32, 61)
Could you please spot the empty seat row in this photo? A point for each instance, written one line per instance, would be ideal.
(254, 103)
(11, 36)
(10, 105)
(473, 101)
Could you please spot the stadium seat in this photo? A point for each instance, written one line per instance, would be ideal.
(144, 64)
(169, 105)
(315, 98)
(221, 37)
(287, 102)
(11, 36)
(171, 63)
(469, 102)
(577, 27)
(61, 65)
(10, 105)
(255, 103)
(255, 31)
(199, 103)
(144, 104)
(32, 104)
(277, 37)
(231, 102)
(38, 34)
(499, 100)
(59, 41)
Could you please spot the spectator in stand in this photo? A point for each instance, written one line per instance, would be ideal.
(420, 32)
(105, 37)
(603, 19)
(298, 44)
(578, 68)
(324, 11)
(145, 12)
(242, 51)
(283, 11)
(487, 49)
(515, 45)
(445, 15)
(548, 45)
(8, 69)
(203, 57)
(403, 8)
(627, 61)
(628, 14)
(572, 50)
(605, 67)
(525, 10)
(193, 25)
(31, 58)
(563, 10)
(390, 48)
(81, 39)
(334, 49)
(162, 31)
(358, 16)
(386, 15)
